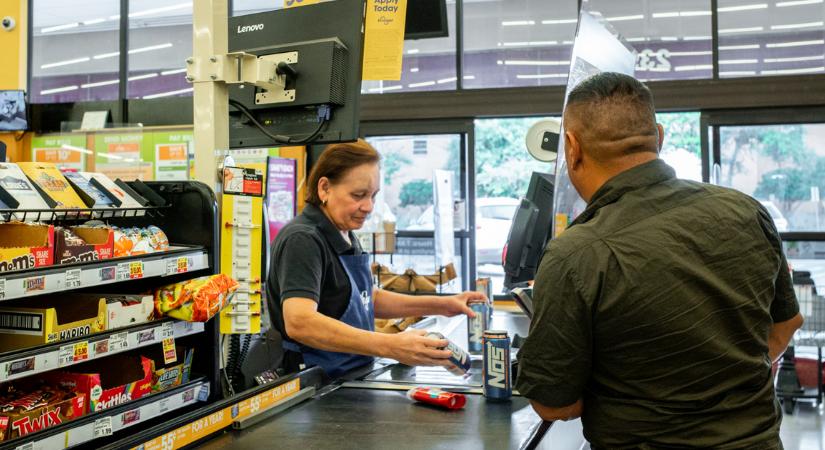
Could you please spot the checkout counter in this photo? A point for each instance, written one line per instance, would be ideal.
(369, 410)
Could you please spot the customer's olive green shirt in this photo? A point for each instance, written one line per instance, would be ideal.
(655, 307)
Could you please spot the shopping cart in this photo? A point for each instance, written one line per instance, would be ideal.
(800, 370)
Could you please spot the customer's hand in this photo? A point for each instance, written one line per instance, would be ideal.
(414, 349)
(457, 304)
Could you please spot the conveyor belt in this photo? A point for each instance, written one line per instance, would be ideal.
(351, 418)
(375, 414)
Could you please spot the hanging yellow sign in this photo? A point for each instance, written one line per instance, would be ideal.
(294, 3)
(384, 39)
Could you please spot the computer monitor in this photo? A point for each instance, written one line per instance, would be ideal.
(327, 42)
(426, 19)
(529, 232)
(13, 111)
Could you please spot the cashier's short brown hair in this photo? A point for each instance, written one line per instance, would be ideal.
(334, 163)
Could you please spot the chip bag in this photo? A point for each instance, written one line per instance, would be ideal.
(195, 300)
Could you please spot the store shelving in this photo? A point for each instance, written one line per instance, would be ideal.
(59, 278)
(188, 216)
(105, 423)
(15, 365)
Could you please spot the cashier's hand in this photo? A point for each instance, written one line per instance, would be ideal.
(457, 304)
(414, 349)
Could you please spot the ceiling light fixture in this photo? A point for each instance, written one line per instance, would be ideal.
(56, 90)
(148, 12)
(740, 30)
(106, 55)
(517, 23)
(558, 21)
(791, 26)
(795, 43)
(64, 63)
(60, 27)
(797, 3)
(150, 48)
(99, 83)
(169, 94)
(743, 7)
(624, 18)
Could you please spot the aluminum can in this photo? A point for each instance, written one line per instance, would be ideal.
(434, 396)
(496, 372)
(459, 358)
(476, 326)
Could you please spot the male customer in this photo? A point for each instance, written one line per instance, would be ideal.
(659, 311)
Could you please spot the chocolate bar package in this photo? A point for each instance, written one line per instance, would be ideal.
(29, 408)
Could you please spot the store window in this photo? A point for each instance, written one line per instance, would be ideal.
(160, 40)
(518, 42)
(503, 170)
(406, 197)
(428, 64)
(781, 166)
(771, 38)
(407, 184)
(672, 37)
(244, 7)
(74, 51)
(682, 147)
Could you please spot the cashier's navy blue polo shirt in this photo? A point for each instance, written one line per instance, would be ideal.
(305, 264)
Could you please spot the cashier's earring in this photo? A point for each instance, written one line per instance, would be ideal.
(325, 202)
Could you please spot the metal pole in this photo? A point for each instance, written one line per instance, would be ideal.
(211, 116)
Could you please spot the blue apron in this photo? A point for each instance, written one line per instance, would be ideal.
(359, 314)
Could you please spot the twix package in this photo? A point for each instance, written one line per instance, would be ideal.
(25, 411)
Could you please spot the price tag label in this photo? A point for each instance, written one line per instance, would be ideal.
(2, 288)
(171, 267)
(203, 394)
(163, 405)
(81, 351)
(123, 272)
(101, 347)
(26, 446)
(65, 356)
(103, 427)
(183, 264)
(73, 279)
(136, 270)
(167, 330)
(119, 342)
(169, 354)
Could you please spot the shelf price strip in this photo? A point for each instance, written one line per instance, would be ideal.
(77, 352)
(221, 419)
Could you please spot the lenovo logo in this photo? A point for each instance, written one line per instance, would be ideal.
(247, 28)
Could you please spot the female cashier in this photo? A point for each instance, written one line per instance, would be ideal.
(320, 288)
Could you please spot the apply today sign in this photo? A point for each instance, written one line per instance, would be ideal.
(386, 5)
(384, 39)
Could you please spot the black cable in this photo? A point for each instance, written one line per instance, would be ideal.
(275, 137)
(281, 139)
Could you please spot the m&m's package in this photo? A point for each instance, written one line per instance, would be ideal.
(195, 300)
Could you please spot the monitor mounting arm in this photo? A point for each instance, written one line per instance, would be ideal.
(270, 73)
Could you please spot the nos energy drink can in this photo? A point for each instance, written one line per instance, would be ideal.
(497, 377)
(476, 326)
(459, 358)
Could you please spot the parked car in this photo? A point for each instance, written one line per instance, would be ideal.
(778, 219)
(493, 218)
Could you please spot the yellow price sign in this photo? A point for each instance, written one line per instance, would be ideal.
(136, 270)
(81, 351)
(183, 264)
(169, 354)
